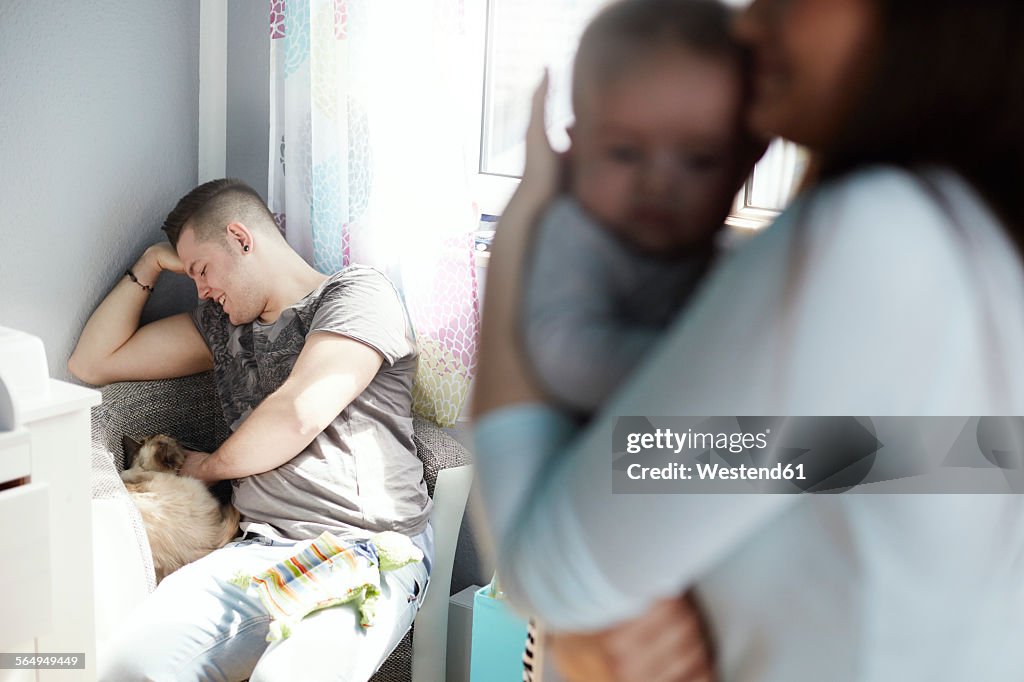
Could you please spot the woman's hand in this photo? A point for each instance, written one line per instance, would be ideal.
(544, 168)
(666, 644)
(504, 376)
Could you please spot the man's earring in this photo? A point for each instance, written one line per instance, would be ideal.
(245, 247)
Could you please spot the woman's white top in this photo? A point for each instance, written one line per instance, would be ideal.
(879, 294)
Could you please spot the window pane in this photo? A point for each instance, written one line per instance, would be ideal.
(524, 36)
(776, 176)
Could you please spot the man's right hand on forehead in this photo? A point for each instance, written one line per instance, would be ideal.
(163, 256)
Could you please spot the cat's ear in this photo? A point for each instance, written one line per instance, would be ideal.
(169, 455)
(131, 448)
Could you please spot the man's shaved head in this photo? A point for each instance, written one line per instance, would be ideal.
(210, 207)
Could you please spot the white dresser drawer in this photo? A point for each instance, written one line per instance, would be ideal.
(25, 563)
(15, 455)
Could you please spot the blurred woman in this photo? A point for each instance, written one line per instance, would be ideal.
(892, 286)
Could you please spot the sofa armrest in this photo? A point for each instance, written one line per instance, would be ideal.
(437, 450)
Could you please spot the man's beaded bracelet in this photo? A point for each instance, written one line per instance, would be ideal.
(135, 279)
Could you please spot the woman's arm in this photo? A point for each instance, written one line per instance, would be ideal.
(582, 557)
(504, 377)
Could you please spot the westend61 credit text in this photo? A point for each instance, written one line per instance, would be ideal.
(676, 442)
(657, 455)
(717, 472)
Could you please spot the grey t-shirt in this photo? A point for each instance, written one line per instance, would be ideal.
(594, 306)
(360, 475)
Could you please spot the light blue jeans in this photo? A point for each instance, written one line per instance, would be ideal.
(199, 626)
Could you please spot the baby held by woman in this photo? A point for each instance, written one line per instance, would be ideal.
(658, 152)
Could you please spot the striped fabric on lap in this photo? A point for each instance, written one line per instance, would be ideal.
(326, 573)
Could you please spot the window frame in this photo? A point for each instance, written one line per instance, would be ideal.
(746, 216)
(491, 191)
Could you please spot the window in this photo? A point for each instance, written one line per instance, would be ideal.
(518, 38)
(770, 187)
(522, 38)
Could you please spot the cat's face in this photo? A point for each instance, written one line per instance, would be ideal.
(154, 453)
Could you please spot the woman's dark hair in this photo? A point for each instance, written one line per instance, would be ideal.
(948, 90)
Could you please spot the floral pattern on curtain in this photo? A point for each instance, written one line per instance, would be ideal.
(369, 104)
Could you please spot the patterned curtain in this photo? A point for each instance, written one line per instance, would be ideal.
(370, 101)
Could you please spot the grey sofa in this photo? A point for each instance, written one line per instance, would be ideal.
(188, 409)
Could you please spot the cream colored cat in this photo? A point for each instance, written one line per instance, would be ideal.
(183, 519)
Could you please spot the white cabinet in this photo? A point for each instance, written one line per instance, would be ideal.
(25, 562)
(45, 523)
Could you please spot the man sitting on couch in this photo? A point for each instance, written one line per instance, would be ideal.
(314, 375)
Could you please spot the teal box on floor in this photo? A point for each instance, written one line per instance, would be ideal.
(499, 637)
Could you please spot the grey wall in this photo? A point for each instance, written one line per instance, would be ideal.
(98, 140)
(248, 92)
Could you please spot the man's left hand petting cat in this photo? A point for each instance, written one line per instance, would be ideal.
(193, 465)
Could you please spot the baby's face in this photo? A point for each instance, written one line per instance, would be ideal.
(656, 153)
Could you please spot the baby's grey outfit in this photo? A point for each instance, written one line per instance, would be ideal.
(594, 306)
